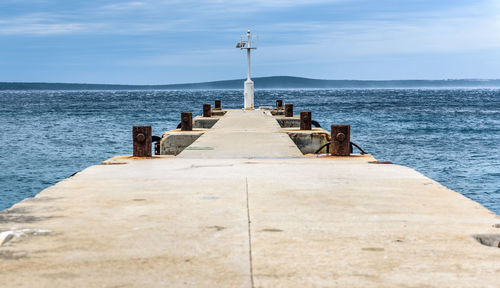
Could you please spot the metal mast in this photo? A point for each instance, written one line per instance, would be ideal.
(248, 43)
(248, 52)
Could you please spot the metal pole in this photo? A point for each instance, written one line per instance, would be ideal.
(248, 52)
(248, 56)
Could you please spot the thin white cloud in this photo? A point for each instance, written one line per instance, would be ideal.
(124, 6)
(42, 24)
(43, 29)
(243, 5)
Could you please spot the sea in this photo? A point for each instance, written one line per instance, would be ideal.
(449, 135)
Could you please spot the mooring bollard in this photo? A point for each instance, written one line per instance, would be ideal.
(288, 110)
(279, 104)
(305, 121)
(186, 121)
(218, 105)
(141, 135)
(341, 140)
(207, 110)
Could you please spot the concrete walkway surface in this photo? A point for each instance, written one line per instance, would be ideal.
(243, 134)
(275, 220)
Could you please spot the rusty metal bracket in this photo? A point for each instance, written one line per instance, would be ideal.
(142, 140)
(218, 105)
(186, 121)
(279, 104)
(305, 121)
(357, 146)
(207, 110)
(315, 123)
(288, 110)
(380, 162)
(329, 143)
(341, 140)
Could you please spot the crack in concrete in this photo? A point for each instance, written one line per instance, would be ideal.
(249, 235)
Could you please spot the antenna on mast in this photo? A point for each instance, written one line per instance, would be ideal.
(248, 42)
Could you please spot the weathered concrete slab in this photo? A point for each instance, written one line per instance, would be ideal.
(205, 122)
(288, 122)
(141, 224)
(308, 141)
(278, 112)
(175, 141)
(344, 223)
(314, 222)
(218, 112)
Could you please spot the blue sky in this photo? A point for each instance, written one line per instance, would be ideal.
(178, 41)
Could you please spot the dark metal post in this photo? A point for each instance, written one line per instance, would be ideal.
(218, 105)
(288, 110)
(279, 104)
(305, 121)
(141, 135)
(157, 148)
(341, 139)
(207, 110)
(186, 121)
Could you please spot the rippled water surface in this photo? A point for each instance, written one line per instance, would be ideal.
(452, 136)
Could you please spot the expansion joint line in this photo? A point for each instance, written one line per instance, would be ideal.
(249, 235)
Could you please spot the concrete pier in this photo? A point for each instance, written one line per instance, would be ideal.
(242, 206)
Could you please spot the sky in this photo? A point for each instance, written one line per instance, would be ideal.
(185, 41)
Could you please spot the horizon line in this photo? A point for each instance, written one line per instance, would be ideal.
(260, 77)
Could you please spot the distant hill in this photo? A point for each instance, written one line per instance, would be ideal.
(274, 82)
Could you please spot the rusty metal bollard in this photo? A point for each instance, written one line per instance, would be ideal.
(141, 135)
(288, 110)
(218, 105)
(305, 121)
(341, 140)
(207, 110)
(186, 121)
(279, 104)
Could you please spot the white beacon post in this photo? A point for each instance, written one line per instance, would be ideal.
(248, 42)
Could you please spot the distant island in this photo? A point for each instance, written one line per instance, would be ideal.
(273, 82)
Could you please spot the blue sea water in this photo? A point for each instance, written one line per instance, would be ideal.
(450, 135)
